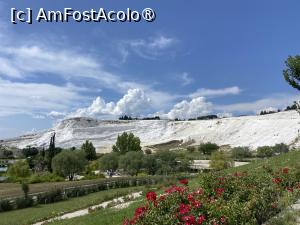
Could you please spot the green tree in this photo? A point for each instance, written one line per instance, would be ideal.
(126, 143)
(90, 151)
(19, 169)
(292, 71)
(150, 163)
(208, 148)
(131, 162)
(51, 152)
(264, 151)
(30, 151)
(166, 162)
(241, 153)
(109, 162)
(280, 148)
(69, 163)
(219, 160)
(25, 189)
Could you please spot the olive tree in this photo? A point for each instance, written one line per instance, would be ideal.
(69, 163)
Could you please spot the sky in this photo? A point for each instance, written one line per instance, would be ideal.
(196, 58)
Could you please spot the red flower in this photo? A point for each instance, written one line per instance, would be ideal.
(190, 197)
(277, 180)
(189, 220)
(151, 196)
(184, 181)
(196, 204)
(201, 219)
(289, 189)
(139, 212)
(219, 191)
(162, 197)
(285, 170)
(183, 209)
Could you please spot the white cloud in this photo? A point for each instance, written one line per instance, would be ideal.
(150, 48)
(33, 98)
(56, 114)
(134, 103)
(186, 79)
(190, 109)
(278, 101)
(216, 92)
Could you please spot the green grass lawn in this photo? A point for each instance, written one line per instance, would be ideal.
(41, 212)
(113, 217)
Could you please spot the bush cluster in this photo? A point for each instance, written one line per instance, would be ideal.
(238, 198)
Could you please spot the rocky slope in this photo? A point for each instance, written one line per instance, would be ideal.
(249, 131)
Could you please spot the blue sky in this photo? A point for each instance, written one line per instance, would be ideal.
(196, 58)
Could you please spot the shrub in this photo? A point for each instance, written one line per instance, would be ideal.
(24, 202)
(190, 149)
(264, 151)
(241, 153)
(19, 169)
(208, 148)
(54, 195)
(44, 177)
(237, 198)
(5, 205)
(219, 160)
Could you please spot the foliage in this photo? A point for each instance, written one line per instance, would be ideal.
(30, 151)
(264, 151)
(166, 162)
(131, 162)
(190, 149)
(150, 163)
(19, 169)
(237, 198)
(90, 151)
(219, 160)
(127, 142)
(5, 205)
(25, 189)
(42, 177)
(208, 148)
(292, 71)
(241, 153)
(280, 148)
(5, 153)
(109, 162)
(51, 152)
(68, 163)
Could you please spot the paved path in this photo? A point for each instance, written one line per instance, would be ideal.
(86, 211)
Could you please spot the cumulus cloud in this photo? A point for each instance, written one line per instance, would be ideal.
(134, 103)
(216, 92)
(190, 109)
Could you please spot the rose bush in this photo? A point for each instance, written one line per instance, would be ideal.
(238, 198)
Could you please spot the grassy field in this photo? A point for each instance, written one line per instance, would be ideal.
(41, 212)
(113, 217)
(14, 189)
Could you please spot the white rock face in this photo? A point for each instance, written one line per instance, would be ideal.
(252, 131)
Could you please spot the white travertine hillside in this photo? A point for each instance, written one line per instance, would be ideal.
(249, 131)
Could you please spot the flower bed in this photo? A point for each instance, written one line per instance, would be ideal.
(238, 198)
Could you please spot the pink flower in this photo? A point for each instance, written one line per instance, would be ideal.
(219, 191)
(196, 204)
